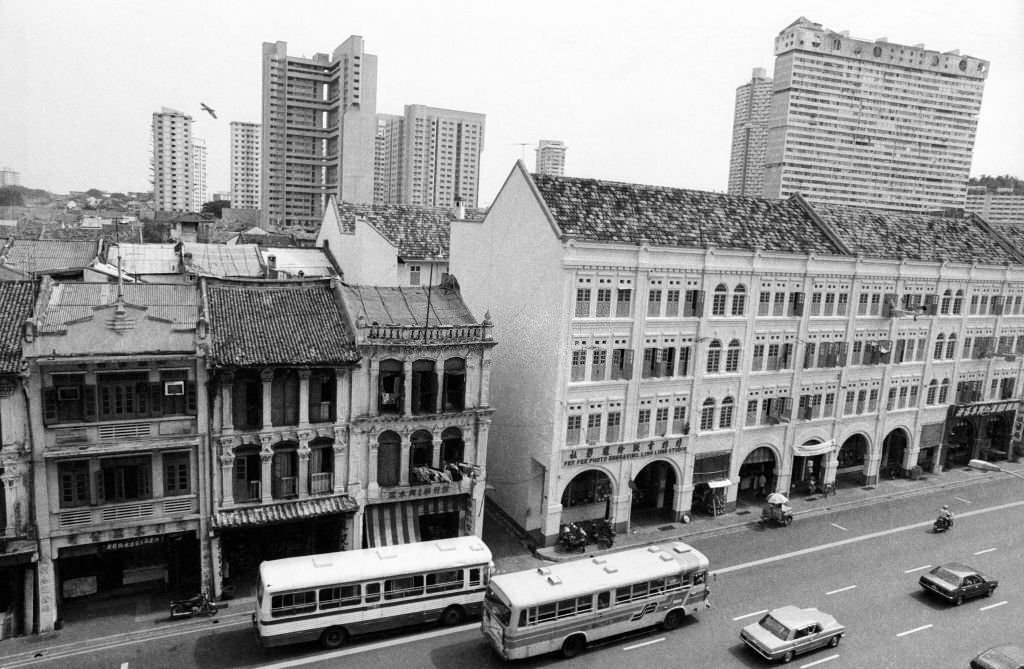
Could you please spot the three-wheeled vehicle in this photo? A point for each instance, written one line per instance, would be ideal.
(777, 511)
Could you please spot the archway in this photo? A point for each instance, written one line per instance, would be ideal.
(959, 444)
(652, 493)
(852, 460)
(893, 451)
(757, 476)
(587, 497)
(809, 461)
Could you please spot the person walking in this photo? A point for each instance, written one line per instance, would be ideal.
(761, 486)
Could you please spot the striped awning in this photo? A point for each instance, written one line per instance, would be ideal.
(399, 523)
(284, 512)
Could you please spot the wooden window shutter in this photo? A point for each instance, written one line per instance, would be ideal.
(627, 364)
(49, 405)
(190, 397)
(89, 403)
(100, 492)
(156, 398)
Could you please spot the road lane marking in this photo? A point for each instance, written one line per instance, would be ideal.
(852, 540)
(965, 501)
(916, 629)
(124, 665)
(839, 526)
(849, 587)
(645, 643)
(987, 550)
(824, 659)
(992, 606)
(911, 571)
(750, 615)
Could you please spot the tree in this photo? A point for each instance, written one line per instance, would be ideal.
(10, 196)
(215, 207)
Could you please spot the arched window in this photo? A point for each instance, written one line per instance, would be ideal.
(284, 471)
(421, 456)
(739, 300)
(714, 357)
(958, 302)
(947, 300)
(392, 386)
(707, 415)
(725, 415)
(454, 391)
(732, 356)
(933, 389)
(718, 301)
(424, 387)
(389, 458)
(940, 347)
(944, 391)
(453, 447)
(951, 346)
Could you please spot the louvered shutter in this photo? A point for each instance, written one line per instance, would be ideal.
(89, 403)
(49, 405)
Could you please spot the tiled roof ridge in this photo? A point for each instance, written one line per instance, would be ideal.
(654, 187)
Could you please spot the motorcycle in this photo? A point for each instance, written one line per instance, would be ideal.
(199, 605)
(942, 523)
(572, 538)
(602, 534)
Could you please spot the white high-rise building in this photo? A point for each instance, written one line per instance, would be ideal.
(172, 161)
(750, 135)
(9, 177)
(551, 157)
(870, 122)
(245, 165)
(199, 192)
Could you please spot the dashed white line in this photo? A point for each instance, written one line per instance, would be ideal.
(849, 587)
(645, 643)
(916, 629)
(992, 606)
(824, 659)
(965, 501)
(987, 550)
(750, 615)
(839, 526)
(124, 665)
(911, 571)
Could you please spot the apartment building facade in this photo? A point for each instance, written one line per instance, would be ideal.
(686, 343)
(318, 131)
(750, 135)
(870, 122)
(172, 161)
(996, 205)
(200, 192)
(245, 165)
(551, 157)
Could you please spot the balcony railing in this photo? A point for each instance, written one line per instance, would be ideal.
(382, 334)
(320, 484)
(110, 513)
(285, 486)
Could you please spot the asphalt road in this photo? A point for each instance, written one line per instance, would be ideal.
(861, 565)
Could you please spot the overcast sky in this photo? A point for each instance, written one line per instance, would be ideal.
(640, 91)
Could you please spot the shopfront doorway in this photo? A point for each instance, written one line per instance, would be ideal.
(757, 476)
(852, 458)
(652, 492)
(894, 449)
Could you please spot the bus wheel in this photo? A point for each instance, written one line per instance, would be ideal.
(333, 637)
(452, 616)
(674, 619)
(573, 646)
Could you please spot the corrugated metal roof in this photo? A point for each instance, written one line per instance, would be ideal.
(145, 258)
(407, 305)
(219, 260)
(291, 260)
(69, 302)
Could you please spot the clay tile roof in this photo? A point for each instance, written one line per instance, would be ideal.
(918, 236)
(276, 323)
(607, 211)
(406, 305)
(417, 232)
(16, 300)
(285, 512)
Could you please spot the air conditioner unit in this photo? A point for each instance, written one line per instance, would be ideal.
(172, 388)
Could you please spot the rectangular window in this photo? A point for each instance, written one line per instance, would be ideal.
(74, 483)
(757, 360)
(414, 274)
(684, 360)
(123, 396)
(643, 423)
(654, 303)
(752, 412)
(340, 595)
(876, 304)
(572, 431)
(441, 581)
(816, 304)
(764, 304)
(830, 304)
(593, 428)
(598, 364)
(842, 304)
(614, 426)
(623, 303)
(292, 603)
(679, 425)
(579, 365)
(176, 473)
(661, 421)
(604, 302)
(862, 304)
(672, 303)
(622, 363)
(830, 405)
(125, 479)
(873, 400)
(862, 397)
(649, 367)
(582, 302)
(890, 402)
(693, 304)
(779, 304)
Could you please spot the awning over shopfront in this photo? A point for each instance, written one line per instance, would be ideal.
(810, 450)
(399, 523)
(719, 483)
(285, 512)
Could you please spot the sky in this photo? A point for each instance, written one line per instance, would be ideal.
(640, 91)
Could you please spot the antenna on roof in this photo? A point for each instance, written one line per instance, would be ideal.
(435, 251)
(117, 239)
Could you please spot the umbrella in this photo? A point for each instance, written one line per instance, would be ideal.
(777, 498)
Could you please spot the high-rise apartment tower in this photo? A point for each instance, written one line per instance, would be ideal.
(9, 177)
(870, 122)
(429, 157)
(199, 191)
(750, 135)
(319, 128)
(172, 161)
(550, 158)
(245, 165)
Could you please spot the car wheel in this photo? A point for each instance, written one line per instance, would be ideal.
(333, 637)
(959, 600)
(573, 646)
(674, 619)
(788, 521)
(834, 641)
(788, 657)
(452, 616)
(988, 593)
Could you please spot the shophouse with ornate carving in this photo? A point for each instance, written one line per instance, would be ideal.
(680, 352)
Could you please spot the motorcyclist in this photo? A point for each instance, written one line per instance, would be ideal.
(946, 515)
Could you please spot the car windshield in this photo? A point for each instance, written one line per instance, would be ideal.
(946, 575)
(775, 627)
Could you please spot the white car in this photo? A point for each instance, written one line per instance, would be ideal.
(788, 631)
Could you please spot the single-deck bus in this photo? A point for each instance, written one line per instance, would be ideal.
(332, 596)
(570, 604)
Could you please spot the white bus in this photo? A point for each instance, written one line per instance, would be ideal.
(570, 604)
(332, 596)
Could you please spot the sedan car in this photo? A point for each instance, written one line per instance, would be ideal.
(956, 582)
(788, 631)
(999, 657)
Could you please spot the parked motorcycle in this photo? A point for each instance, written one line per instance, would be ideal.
(572, 538)
(942, 523)
(199, 605)
(603, 534)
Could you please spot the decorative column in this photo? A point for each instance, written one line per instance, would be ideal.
(227, 470)
(683, 494)
(156, 475)
(435, 453)
(341, 464)
(485, 383)
(342, 405)
(472, 394)
(372, 487)
(304, 375)
(304, 437)
(267, 471)
(374, 390)
(483, 429)
(12, 492)
(439, 379)
(407, 377)
(227, 389)
(403, 466)
(267, 377)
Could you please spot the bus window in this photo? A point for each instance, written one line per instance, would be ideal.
(373, 592)
(657, 586)
(604, 599)
(339, 595)
(404, 586)
(698, 578)
(673, 582)
(292, 603)
(584, 604)
(475, 576)
(440, 581)
(545, 612)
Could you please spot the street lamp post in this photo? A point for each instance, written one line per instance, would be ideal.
(987, 466)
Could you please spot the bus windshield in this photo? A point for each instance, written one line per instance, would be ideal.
(498, 607)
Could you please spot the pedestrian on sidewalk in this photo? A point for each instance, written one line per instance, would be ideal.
(761, 485)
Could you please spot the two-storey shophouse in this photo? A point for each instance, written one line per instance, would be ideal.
(118, 445)
(680, 352)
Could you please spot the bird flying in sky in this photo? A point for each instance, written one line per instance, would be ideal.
(207, 109)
